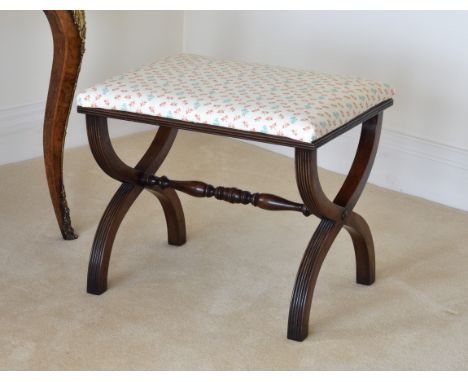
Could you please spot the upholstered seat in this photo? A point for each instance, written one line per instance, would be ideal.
(298, 104)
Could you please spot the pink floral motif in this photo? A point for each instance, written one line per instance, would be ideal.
(298, 104)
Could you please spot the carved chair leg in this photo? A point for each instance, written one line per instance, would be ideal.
(68, 32)
(108, 160)
(334, 216)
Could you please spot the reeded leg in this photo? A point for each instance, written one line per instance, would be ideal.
(68, 31)
(334, 216)
(105, 236)
(106, 157)
(298, 323)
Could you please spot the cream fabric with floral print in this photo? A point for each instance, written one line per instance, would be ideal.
(298, 104)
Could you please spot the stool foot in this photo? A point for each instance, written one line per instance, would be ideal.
(95, 289)
(363, 248)
(105, 235)
(175, 219)
(298, 322)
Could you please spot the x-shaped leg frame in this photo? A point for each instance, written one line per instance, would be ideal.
(127, 193)
(334, 215)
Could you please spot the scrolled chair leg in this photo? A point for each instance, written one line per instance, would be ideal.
(334, 215)
(68, 32)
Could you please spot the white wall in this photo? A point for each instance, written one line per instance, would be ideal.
(424, 55)
(116, 41)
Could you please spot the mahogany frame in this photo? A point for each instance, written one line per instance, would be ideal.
(334, 215)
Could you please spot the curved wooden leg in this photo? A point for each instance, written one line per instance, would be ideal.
(106, 157)
(349, 194)
(105, 236)
(298, 322)
(334, 216)
(363, 248)
(68, 31)
(175, 219)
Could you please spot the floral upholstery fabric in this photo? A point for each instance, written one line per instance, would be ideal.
(298, 104)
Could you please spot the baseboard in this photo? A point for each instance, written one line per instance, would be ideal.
(21, 131)
(16, 119)
(404, 163)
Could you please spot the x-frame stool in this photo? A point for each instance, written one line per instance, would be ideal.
(334, 214)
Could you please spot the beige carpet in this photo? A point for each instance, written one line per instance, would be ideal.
(221, 301)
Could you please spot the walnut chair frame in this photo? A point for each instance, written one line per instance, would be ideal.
(334, 214)
(69, 33)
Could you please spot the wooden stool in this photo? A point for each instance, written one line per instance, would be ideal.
(295, 108)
